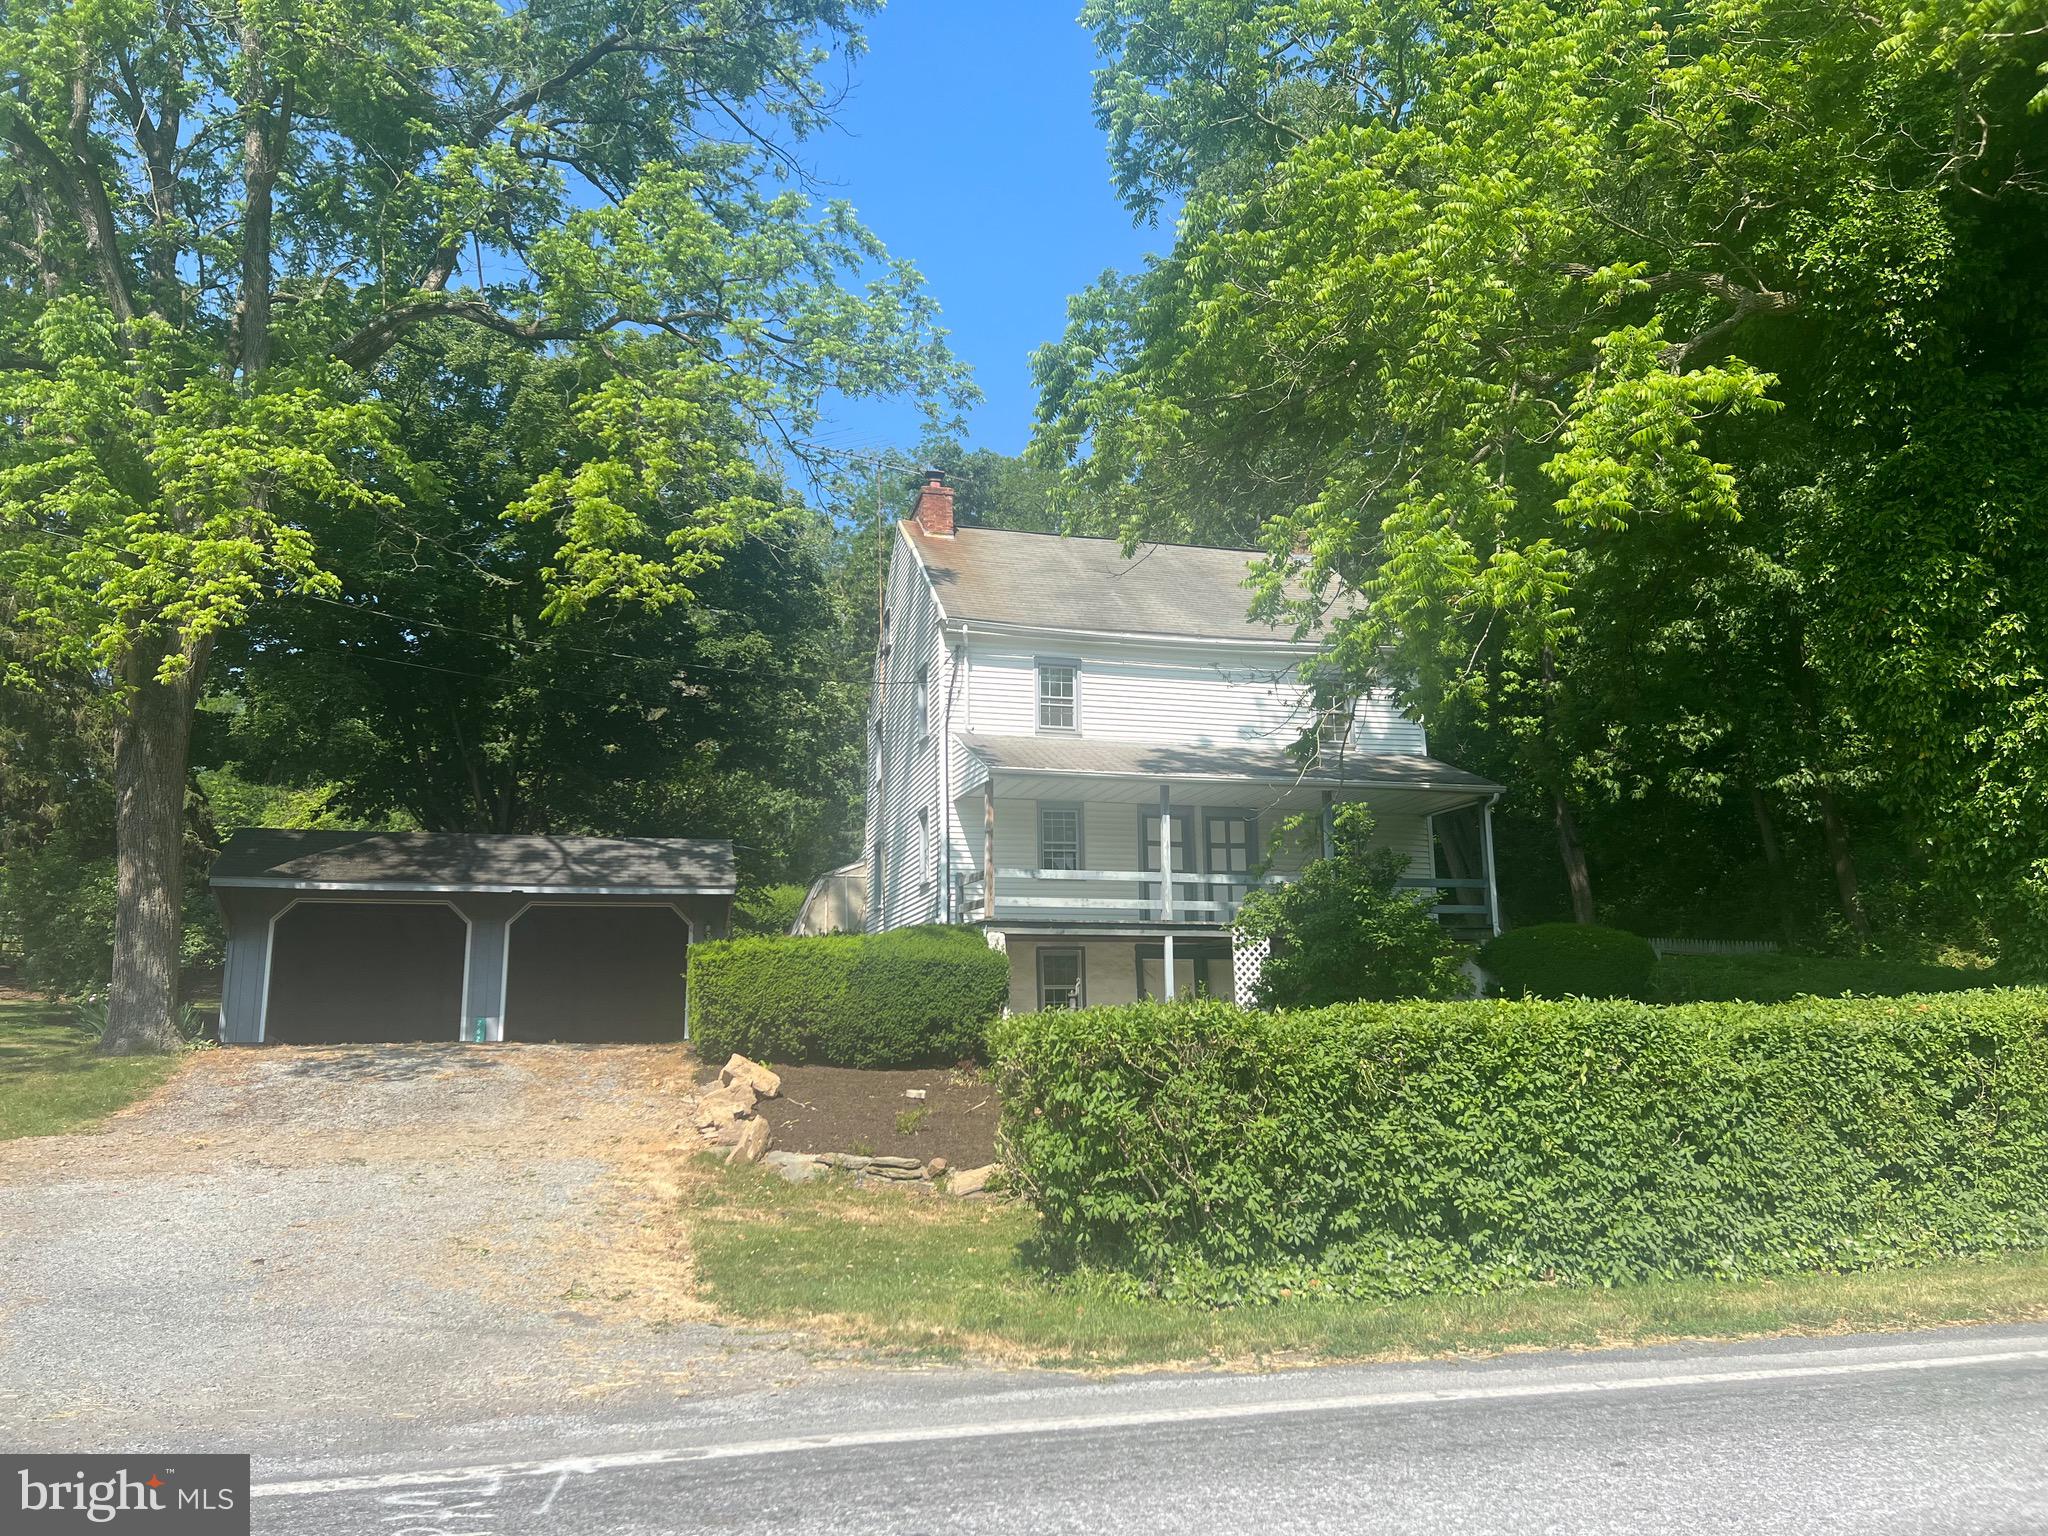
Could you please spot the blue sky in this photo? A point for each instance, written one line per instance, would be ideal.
(968, 145)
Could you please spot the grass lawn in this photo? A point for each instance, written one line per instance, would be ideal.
(50, 1079)
(943, 1278)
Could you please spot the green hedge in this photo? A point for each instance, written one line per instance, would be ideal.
(916, 997)
(1778, 978)
(1559, 960)
(1397, 1148)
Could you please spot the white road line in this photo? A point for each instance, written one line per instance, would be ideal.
(1133, 1419)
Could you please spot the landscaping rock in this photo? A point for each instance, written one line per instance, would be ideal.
(896, 1162)
(935, 1167)
(909, 1175)
(914, 1093)
(972, 1181)
(723, 1105)
(852, 1162)
(757, 1077)
(753, 1141)
(794, 1166)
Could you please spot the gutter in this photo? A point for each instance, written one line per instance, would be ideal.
(250, 883)
(1165, 638)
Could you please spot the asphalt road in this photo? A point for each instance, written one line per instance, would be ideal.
(1939, 1432)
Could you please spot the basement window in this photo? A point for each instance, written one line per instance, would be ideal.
(1059, 978)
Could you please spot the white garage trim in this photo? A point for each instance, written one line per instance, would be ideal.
(505, 959)
(270, 947)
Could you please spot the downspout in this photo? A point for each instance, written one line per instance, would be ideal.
(1492, 885)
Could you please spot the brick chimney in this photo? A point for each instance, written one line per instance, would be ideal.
(934, 512)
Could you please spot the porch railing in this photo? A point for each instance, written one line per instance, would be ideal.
(1088, 895)
(1453, 908)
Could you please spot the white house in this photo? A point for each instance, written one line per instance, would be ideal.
(1045, 705)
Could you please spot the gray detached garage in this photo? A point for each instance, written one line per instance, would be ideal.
(383, 936)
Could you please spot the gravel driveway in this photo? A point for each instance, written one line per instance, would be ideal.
(288, 1242)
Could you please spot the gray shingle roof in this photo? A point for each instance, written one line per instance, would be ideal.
(1086, 755)
(1047, 581)
(463, 861)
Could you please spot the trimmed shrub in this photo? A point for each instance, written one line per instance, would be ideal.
(915, 997)
(1345, 930)
(1780, 978)
(1398, 1148)
(1558, 960)
(766, 911)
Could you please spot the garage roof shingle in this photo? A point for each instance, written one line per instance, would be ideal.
(475, 861)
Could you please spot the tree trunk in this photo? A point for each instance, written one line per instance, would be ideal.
(1573, 852)
(1843, 861)
(1774, 857)
(150, 751)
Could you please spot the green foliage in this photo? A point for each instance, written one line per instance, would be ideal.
(766, 911)
(915, 997)
(1660, 389)
(60, 898)
(910, 1121)
(1390, 1149)
(1559, 960)
(89, 1017)
(1343, 932)
(223, 238)
(432, 694)
(1780, 978)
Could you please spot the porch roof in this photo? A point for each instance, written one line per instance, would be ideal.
(1089, 757)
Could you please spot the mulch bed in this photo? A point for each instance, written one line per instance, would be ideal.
(845, 1109)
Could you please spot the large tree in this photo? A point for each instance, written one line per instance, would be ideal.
(433, 688)
(218, 221)
(1506, 317)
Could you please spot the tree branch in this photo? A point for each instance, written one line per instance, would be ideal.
(261, 141)
(78, 189)
(383, 331)
(442, 268)
(1747, 303)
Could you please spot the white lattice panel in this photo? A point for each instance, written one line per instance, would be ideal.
(1247, 961)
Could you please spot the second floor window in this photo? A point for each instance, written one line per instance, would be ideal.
(1230, 844)
(1058, 696)
(1333, 725)
(924, 702)
(1059, 837)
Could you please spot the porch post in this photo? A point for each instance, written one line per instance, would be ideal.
(1166, 882)
(988, 846)
(1486, 844)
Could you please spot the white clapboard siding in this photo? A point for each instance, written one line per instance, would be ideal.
(1204, 696)
(1163, 691)
(905, 776)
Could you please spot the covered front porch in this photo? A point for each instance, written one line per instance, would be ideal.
(1126, 863)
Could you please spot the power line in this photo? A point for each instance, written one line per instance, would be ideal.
(530, 647)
